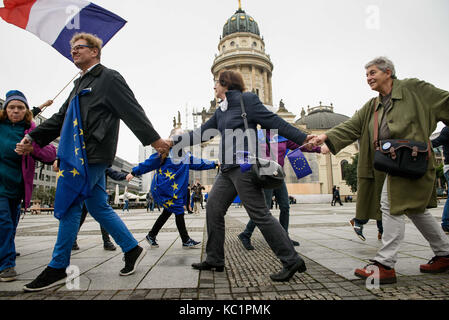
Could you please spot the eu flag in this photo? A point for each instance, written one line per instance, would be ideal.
(73, 181)
(299, 163)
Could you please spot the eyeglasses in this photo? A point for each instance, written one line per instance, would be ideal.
(78, 47)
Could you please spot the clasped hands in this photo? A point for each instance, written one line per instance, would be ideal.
(24, 147)
(317, 140)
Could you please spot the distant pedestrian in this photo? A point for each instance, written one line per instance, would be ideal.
(126, 200)
(334, 190)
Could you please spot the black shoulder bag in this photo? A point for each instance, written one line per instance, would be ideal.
(400, 157)
(267, 173)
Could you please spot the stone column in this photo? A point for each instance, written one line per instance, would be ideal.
(265, 88)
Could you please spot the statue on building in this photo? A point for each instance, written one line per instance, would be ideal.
(203, 115)
(282, 106)
(174, 122)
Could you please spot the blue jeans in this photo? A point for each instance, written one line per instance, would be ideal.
(281, 195)
(445, 217)
(9, 218)
(100, 210)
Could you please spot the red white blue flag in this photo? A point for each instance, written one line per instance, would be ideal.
(56, 21)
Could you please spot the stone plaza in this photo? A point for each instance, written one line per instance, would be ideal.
(327, 242)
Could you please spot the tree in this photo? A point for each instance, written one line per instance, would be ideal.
(350, 173)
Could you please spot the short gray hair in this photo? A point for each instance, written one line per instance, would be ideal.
(383, 63)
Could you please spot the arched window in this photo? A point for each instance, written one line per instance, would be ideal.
(343, 164)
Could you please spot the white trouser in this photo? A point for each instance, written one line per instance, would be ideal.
(394, 231)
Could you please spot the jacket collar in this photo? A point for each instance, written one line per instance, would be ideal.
(232, 96)
(396, 93)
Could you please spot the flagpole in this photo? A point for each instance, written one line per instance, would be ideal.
(78, 73)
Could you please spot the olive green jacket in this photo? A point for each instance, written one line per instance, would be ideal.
(417, 108)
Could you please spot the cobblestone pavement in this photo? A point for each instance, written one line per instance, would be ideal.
(246, 275)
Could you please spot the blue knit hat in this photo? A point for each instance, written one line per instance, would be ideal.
(15, 95)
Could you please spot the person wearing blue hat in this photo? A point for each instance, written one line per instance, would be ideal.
(16, 174)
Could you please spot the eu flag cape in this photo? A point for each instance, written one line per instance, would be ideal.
(73, 181)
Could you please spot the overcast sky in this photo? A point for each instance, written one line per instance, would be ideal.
(166, 50)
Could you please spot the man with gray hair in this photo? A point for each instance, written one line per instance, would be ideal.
(407, 109)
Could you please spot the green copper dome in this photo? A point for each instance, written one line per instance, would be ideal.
(240, 22)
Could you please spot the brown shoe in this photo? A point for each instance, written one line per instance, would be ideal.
(384, 276)
(379, 236)
(435, 265)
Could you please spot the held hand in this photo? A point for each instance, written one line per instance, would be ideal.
(129, 177)
(24, 147)
(325, 149)
(319, 140)
(55, 166)
(162, 145)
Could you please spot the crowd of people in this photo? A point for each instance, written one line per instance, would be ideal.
(409, 109)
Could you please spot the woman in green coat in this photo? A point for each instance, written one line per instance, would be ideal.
(407, 109)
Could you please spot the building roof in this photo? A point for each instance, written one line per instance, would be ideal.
(321, 117)
(240, 22)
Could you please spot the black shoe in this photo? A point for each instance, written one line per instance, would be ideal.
(75, 246)
(17, 254)
(108, 245)
(246, 241)
(286, 273)
(50, 277)
(206, 266)
(295, 243)
(445, 229)
(132, 259)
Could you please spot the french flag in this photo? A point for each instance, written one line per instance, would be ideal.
(56, 21)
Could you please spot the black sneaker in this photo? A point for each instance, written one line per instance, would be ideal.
(191, 244)
(445, 229)
(152, 241)
(108, 245)
(132, 259)
(50, 277)
(358, 229)
(246, 241)
(75, 246)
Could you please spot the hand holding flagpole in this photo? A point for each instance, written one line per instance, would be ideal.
(46, 104)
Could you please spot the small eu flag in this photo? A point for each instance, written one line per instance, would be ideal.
(73, 181)
(299, 163)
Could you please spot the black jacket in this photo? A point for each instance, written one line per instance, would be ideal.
(229, 125)
(101, 110)
(443, 140)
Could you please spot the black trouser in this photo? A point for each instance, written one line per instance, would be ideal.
(180, 224)
(226, 187)
(104, 233)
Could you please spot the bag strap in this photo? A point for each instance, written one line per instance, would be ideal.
(376, 126)
(245, 122)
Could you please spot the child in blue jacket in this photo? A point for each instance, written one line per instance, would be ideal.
(169, 190)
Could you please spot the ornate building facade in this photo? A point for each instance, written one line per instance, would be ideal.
(242, 48)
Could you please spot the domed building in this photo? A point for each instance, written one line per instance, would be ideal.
(242, 48)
